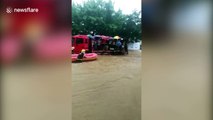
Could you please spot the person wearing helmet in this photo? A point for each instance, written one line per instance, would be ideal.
(118, 42)
(73, 49)
(81, 55)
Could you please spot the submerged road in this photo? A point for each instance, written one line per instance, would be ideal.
(108, 88)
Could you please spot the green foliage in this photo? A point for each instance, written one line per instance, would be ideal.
(100, 16)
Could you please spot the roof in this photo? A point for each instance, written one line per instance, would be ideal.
(80, 36)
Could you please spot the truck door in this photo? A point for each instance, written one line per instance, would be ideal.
(79, 45)
(86, 44)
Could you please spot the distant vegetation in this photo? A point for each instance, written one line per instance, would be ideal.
(100, 16)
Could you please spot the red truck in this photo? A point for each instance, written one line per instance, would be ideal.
(98, 44)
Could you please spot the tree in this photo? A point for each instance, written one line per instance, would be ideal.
(100, 16)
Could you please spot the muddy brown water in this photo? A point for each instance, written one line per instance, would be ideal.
(36, 93)
(175, 86)
(108, 88)
(176, 79)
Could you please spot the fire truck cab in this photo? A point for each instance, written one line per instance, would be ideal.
(80, 42)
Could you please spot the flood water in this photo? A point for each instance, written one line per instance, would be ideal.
(36, 93)
(108, 88)
(175, 85)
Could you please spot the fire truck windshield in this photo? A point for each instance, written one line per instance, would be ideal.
(79, 41)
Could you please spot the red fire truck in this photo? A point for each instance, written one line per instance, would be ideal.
(98, 44)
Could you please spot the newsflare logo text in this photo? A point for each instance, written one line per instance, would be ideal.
(22, 10)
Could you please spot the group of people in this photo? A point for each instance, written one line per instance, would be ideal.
(115, 44)
(118, 45)
(97, 44)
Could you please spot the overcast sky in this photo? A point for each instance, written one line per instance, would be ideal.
(127, 6)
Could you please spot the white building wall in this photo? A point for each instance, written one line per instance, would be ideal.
(134, 46)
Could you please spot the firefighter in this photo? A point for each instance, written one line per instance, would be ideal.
(126, 47)
(117, 42)
(81, 55)
(73, 49)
